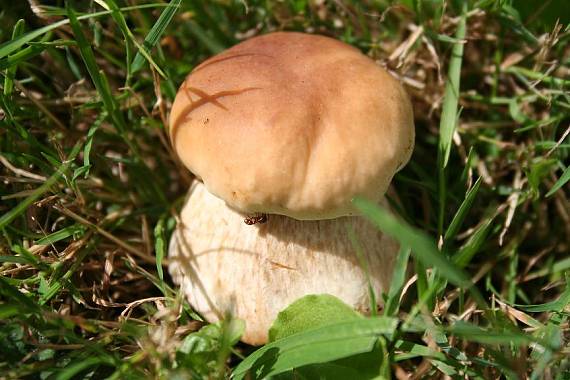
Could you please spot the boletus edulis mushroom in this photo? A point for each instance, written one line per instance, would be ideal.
(282, 131)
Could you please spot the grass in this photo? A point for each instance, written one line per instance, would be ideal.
(90, 191)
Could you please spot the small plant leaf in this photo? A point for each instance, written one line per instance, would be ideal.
(309, 312)
(320, 345)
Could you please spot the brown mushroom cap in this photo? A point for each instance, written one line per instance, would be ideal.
(292, 124)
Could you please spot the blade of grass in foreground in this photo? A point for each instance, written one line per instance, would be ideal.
(422, 247)
(449, 111)
(154, 34)
(22, 206)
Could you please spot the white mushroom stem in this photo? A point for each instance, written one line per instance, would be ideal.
(254, 271)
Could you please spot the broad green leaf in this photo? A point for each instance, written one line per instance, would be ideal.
(319, 345)
(310, 312)
(328, 371)
(316, 352)
(373, 365)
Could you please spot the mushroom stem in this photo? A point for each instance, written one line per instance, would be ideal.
(254, 271)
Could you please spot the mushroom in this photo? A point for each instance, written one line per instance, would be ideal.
(282, 131)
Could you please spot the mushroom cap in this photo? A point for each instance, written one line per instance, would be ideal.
(226, 267)
(292, 124)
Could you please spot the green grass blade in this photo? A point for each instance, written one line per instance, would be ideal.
(412, 350)
(84, 170)
(8, 311)
(449, 113)
(365, 267)
(461, 213)
(423, 284)
(14, 259)
(398, 282)
(79, 365)
(210, 43)
(451, 95)
(11, 46)
(473, 245)
(28, 256)
(11, 71)
(423, 248)
(488, 336)
(154, 34)
(564, 178)
(159, 248)
(97, 76)
(557, 305)
(468, 165)
(15, 295)
(61, 234)
(8, 217)
(127, 35)
(20, 56)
